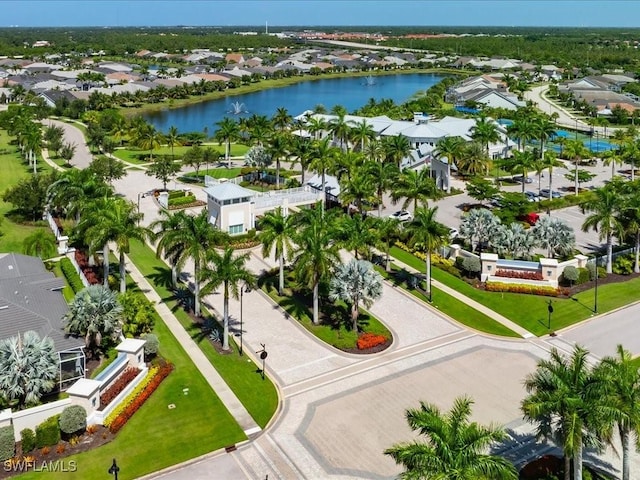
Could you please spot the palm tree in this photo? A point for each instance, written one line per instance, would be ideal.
(277, 149)
(149, 139)
(550, 161)
(316, 254)
(485, 131)
(40, 243)
(324, 155)
(173, 139)
(226, 270)
(28, 368)
(564, 401)
(522, 162)
(191, 241)
(605, 207)
(473, 160)
(356, 232)
(575, 150)
(277, 232)
(478, 224)
(359, 190)
(353, 283)
(382, 175)
(415, 186)
(555, 235)
(361, 133)
(543, 129)
(167, 222)
(396, 147)
(426, 235)
(316, 126)
(454, 449)
(74, 189)
(281, 119)
(94, 313)
(629, 218)
(451, 149)
(228, 131)
(340, 128)
(113, 220)
(621, 380)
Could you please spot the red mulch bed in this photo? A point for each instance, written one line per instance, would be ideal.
(610, 278)
(86, 442)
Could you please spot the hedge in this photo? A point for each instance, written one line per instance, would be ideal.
(183, 200)
(569, 200)
(73, 419)
(48, 432)
(7, 443)
(71, 275)
(546, 291)
(28, 437)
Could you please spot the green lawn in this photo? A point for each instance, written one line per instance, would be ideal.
(157, 437)
(452, 307)
(337, 329)
(530, 311)
(132, 154)
(14, 169)
(258, 396)
(213, 172)
(67, 291)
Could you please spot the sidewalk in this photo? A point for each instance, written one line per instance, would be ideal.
(48, 161)
(472, 303)
(210, 374)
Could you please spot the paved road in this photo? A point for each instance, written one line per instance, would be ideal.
(74, 136)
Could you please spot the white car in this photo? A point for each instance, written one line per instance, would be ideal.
(402, 216)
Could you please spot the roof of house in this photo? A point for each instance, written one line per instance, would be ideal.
(228, 191)
(30, 299)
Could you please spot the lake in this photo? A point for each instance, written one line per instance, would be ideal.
(351, 92)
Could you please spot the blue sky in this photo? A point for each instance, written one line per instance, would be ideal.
(588, 13)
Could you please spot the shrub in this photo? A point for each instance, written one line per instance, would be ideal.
(527, 289)
(571, 274)
(138, 314)
(48, 432)
(60, 449)
(152, 345)
(7, 443)
(183, 201)
(91, 429)
(471, 265)
(45, 451)
(370, 340)
(73, 419)
(69, 272)
(519, 274)
(28, 438)
(623, 265)
(117, 386)
(583, 276)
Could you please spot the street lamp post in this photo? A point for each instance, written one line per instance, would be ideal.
(114, 469)
(576, 128)
(550, 310)
(140, 195)
(245, 289)
(595, 300)
(263, 356)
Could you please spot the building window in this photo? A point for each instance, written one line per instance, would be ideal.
(236, 229)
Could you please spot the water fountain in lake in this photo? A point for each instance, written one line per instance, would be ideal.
(237, 108)
(369, 81)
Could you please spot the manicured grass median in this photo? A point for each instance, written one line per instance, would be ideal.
(137, 156)
(453, 307)
(157, 437)
(530, 311)
(258, 396)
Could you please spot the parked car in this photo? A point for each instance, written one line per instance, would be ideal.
(519, 178)
(532, 196)
(453, 233)
(544, 194)
(402, 216)
(531, 218)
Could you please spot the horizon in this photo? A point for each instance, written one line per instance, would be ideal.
(353, 13)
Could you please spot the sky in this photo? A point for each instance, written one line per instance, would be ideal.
(578, 13)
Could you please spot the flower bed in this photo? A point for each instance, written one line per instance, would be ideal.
(118, 386)
(370, 340)
(91, 273)
(519, 274)
(130, 405)
(528, 289)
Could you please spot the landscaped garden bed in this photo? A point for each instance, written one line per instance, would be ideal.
(183, 199)
(118, 386)
(335, 324)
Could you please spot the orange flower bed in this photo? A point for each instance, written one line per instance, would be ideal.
(370, 340)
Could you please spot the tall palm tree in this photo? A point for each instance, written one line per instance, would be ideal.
(415, 186)
(277, 232)
(564, 401)
(74, 189)
(473, 160)
(228, 131)
(340, 129)
(361, 133)
(575, 151)
(317, 253)
(629, 218)
(396, 147)
(426, 235)
(620, 378)
(605, 208)
(386, 230)
(324, 156)
(543, 129)
(356, 282)
(522, 162)
(550, 161)
(168, 221)
(521, 129)
(227, 270)
(282, 119)
(302, 149)
(555, 235)
(149, 139)
(358, 190)
(316, 126)
(455, 447)
(192, 242)
(94, 313)
(173, 138)
(452, 149)
(278, 148)
(382, 175)
(114, 220)
(356, 233)
(485, 131)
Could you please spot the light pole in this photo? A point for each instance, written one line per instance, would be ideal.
(244, 289)
(550, 310)
(263, 356)
(576, 128)
(114, 469)
(140, 195)
(595, 300)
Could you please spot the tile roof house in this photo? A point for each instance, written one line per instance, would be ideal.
(31, 299)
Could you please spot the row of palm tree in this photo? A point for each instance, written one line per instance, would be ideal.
(570, 402)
